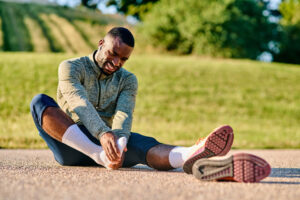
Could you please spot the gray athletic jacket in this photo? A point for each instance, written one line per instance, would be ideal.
(101, 103)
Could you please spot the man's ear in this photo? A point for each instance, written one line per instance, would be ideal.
(101, 42)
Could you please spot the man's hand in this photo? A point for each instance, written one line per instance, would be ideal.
(109, 144)
(117, 165)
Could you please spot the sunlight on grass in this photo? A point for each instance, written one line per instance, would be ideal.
(94, 32)
(39, 42)
(57, 34)
(75, 39)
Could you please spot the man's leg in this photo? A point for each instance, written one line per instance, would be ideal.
(165, 157)
(63, 154)
(139, 147)
(146, 150)
(158, 157)
(52, 121)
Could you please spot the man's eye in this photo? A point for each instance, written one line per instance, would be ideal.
(112, 53)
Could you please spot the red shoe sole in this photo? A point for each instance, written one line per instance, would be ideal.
(218, 143)
(240, 167)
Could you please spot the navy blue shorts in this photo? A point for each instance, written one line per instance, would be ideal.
(138, 145)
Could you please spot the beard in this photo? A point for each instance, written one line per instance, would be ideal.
(108, 67)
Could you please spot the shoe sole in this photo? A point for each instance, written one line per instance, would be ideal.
(241, 167)
(218, 143)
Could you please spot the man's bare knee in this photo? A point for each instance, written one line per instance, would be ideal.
(55, 122)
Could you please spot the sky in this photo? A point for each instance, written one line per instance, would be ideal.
(101, 6)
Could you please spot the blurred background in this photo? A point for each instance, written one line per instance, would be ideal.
(200, 64)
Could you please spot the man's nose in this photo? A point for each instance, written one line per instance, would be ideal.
(116, 61)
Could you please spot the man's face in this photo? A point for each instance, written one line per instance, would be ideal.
(112, 54)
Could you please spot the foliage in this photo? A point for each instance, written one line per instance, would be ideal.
(180, 98)
(290, 12)
(1, 35)
(16, 35)
(228, 28)
(289, 46)
(133, 7)
(90, 3)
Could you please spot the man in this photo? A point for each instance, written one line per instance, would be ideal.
(92, 123)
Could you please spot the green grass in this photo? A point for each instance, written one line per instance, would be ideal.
(180, 98)
(17, 36)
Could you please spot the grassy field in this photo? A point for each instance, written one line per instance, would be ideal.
(180, 98)
(40, 28)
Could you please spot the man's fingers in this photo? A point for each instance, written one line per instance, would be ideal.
(109, 144)
(116, 149)
(115, 165)
(108, 153)
(113, 152)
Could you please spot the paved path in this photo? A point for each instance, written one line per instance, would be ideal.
(33, 174)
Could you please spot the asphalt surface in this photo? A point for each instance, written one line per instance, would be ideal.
(34, 174)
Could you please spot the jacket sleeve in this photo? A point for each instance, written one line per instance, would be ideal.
(122, 121)
(70, 76)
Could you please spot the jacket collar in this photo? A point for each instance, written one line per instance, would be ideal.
(96, 67)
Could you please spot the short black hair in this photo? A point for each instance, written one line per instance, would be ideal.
(124, 34)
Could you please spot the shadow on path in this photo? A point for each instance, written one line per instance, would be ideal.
(280, 182)
(145, 168)
(285, 172)
(289, 173)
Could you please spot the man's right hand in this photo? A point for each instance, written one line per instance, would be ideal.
(109, 144)
(117, 165)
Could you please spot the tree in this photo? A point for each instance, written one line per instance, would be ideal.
(92, 4)
(135, 8)
(289, 46)
(227, 28)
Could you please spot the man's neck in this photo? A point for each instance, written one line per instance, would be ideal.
(94, 58)
(96, 63)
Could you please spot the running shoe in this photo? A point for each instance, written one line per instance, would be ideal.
(240, 167)
(217, 143)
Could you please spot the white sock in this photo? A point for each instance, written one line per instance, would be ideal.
(121, 142)
(179, 155)
(76, 139)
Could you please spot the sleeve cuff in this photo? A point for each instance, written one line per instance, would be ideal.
(100, 133)
(121, 134)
